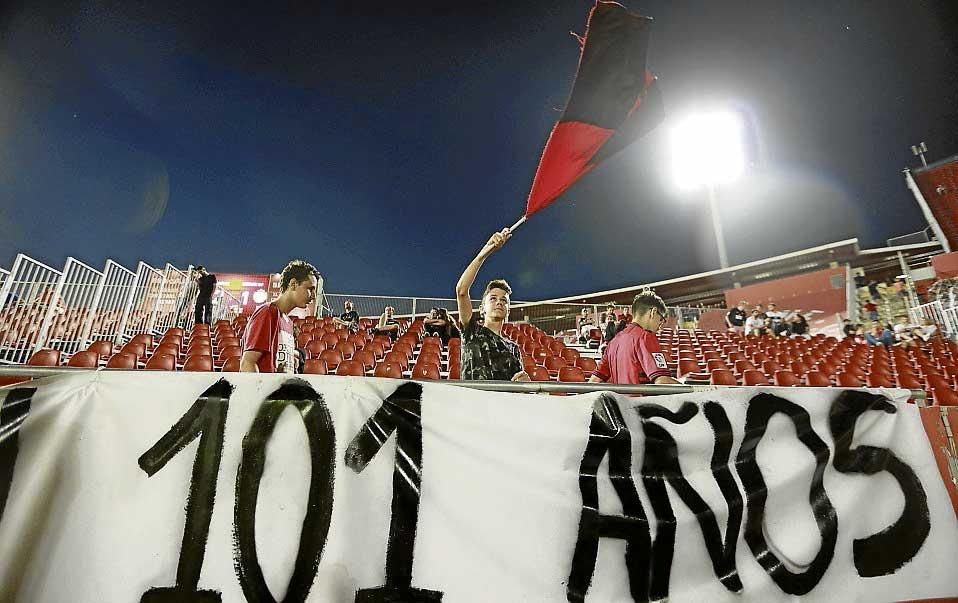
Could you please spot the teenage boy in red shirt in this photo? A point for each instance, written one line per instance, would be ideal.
(268, 343)
(634, 356)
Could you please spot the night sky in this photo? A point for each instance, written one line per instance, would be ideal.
(384, 142)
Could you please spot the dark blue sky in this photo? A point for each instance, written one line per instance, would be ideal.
(385, 141)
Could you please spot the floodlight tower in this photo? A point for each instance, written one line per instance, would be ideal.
(707, 151)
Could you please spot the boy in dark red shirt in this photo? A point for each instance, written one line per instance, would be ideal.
(634, 356)
(268, 343)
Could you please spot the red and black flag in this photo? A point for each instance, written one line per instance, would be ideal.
(614, 102)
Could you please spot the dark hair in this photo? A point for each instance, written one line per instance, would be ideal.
(497, 284)
(200, 268)
(298, 270)
(647, 300)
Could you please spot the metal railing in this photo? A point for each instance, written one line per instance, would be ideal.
(170, 303)
(140, 310)
(64, 322)
(27, 297)
(106, 316)
(226, 306)
(945, 318)
(533, 387)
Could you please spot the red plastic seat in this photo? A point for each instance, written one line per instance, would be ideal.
(722, 377)
(569, 354)
(232, 365)
(687, 366)
(878, 379)
(85, 359)
(199, 349)
(104, 349)
(754, 377)
(786, 379)
(167, 348)
(315, 347)
(122, 360)
(136, 348)
(398, 357)
(817, 379)
(945, 396)
(346, 349)
(366, 358)
(315, 366)
(555, 363)
(198, 363)
(350, 368)
(161, 362)
(145, 338)
(570, 374)
(46, 357)
(588, 365)
(390, 370)
(332, 358)
(233, 351)
(846, 379)
(425, 370)
(429, 356)
(303, 339)
(539, 373)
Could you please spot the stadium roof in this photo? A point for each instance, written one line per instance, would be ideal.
(709, 287)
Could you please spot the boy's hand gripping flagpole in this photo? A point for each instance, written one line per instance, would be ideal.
(517, 224)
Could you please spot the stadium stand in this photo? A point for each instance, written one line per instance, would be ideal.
(118, 318)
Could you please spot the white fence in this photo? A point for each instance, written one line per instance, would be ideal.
(106, 319)
(28, 296)
(945, 317)
(64, 322)
(66, 310)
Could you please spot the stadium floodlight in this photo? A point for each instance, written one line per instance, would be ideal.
(707, 151)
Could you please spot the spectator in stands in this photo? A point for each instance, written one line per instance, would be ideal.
(735, 319)
(900, 287)
(775, 319)
(432, 325)
(879, 336)
(871, 310)
(486, 354)
(927, 330)
(902, 330)
(635, 357)
(797, 325)
(584, 317)
(387, 324)
(873, 290)
(451, 331)
(851, 329)
(348, 319)
(206, 284)
(610, 329)
(755, 324)
(268, 343)
(584, 327)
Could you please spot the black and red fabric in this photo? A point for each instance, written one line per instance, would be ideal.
(614, 102)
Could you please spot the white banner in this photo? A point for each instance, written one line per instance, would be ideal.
(188, 487)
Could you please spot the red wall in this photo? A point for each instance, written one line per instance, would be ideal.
(944, 205)
(945, 265)
(812, 291)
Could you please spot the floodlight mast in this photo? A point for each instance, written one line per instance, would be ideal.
(707, 151)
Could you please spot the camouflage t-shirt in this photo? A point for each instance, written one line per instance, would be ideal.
(487, 356)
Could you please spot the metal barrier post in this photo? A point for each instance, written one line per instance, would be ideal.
(108, 311)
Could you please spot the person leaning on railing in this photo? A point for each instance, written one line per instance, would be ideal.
(486, 354)
(634, 356)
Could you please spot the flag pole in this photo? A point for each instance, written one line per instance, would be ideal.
(517, 224)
